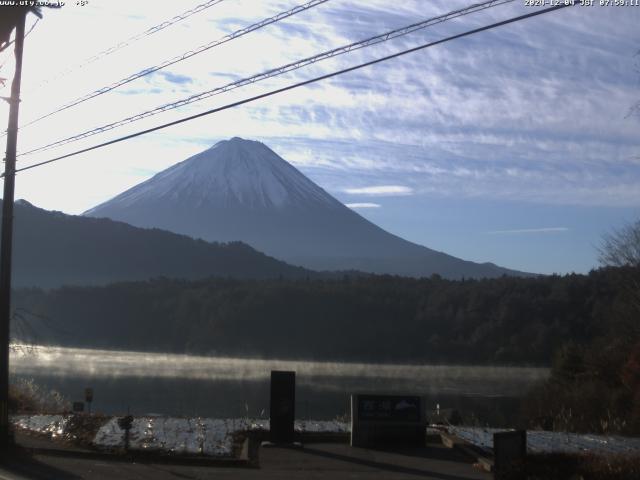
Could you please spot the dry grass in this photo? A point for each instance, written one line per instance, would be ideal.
(82, 429)
(561, 466)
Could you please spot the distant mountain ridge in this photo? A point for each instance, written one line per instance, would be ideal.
(51, 249)
(242, 190)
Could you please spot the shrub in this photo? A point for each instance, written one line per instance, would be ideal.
(26, 396)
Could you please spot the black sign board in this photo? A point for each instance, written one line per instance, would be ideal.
(282, 407)
(508, 449)
(78, 406)
(383, 420)
(389, 408)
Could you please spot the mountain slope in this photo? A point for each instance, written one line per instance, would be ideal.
(53, 249)
(242, 190)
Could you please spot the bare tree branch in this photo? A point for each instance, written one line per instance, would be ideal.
(621, 248)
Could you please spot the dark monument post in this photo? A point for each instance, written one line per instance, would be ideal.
(282, 407)
(509, 448)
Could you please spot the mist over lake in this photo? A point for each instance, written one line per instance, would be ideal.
(224, 387)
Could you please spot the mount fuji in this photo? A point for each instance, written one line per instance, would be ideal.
(242, 190)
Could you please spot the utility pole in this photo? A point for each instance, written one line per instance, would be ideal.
(7, 235)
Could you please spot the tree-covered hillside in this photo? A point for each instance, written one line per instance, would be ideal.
(53, 249)
(499, 321)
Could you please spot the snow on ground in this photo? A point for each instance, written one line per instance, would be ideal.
(186, 436)
(206, 436)
(543, 442)
(54, 425)
(214, 437)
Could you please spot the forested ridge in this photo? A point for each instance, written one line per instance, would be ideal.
(98, 251)
(374, 318)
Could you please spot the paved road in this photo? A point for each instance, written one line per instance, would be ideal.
(314, 461)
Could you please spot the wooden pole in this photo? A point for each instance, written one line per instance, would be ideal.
(7, 236)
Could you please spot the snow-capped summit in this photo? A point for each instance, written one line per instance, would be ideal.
(242, 190)
(232, 173)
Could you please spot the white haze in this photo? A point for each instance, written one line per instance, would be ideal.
(79, 362)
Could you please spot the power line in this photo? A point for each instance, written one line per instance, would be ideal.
(125, 43)
(299, 84)
(32, 27)
(179, 58)
(277, 71)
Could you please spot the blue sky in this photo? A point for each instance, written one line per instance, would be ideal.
(516, 146)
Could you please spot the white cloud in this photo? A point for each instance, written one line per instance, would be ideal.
(474, 118)
(363, 205)
(530, 230)
(380, 190)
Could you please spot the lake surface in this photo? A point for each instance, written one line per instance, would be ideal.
(170, 384)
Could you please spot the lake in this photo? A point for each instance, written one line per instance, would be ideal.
(189, 385)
